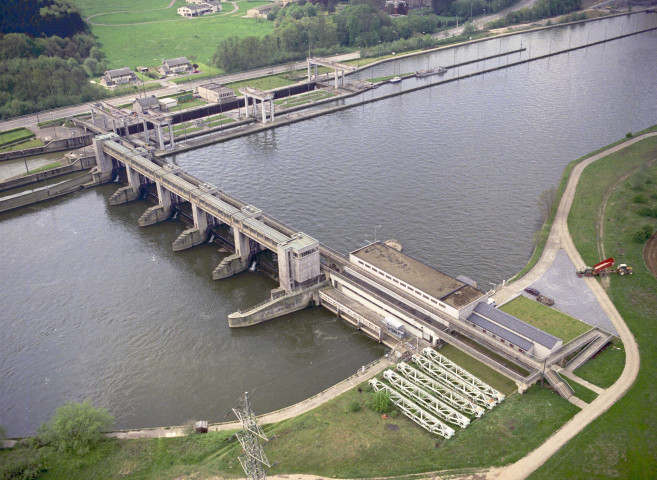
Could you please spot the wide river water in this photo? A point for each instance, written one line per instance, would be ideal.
(94, 307)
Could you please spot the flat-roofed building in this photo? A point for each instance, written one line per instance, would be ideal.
(213, 92)
(441, 291)
(513, 332)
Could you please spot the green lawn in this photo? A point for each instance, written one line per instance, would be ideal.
(605, 368)
(621, 443)
(184, 106)
(35, 142)
(580, 390)
(14, 135)
(45, 167)
(219, 122)
(547, 319)
(92, 7)
(330, 440)
(303, 98)
(148, 44)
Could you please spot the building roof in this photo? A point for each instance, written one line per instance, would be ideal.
(193, 6)
(516, 325)
(421, 276)
(119, 72)
(215, 87)
(501, 332)
(148, 102)
(180, 60)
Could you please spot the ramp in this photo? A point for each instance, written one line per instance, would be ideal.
(586, 354)
(561, 387)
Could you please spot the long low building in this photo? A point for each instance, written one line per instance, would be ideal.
(513, 332)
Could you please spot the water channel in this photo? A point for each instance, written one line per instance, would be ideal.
(95, 307)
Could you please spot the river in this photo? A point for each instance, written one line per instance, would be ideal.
(95, 307)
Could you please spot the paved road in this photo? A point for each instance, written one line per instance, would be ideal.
(30, 120)
(560, 238)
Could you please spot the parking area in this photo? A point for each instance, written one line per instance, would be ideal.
(571, 294)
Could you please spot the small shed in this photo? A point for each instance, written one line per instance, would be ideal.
(395, 327)
(167, 103)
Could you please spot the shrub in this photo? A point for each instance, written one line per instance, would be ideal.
(640, 198)
(380, 402)
(76, 427)
(21, 469)
(648, 212)
(354, 406)
(644, 233)
(629, 135)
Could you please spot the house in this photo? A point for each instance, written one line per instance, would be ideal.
(197, 8)
(175, 65)
(261, 11)
(167, 103)
(213, 92)
(143, 105)
(117, 77)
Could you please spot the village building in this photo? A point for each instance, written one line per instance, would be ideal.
(166, 104)
(143, 105)
(261, 11)
(198, 8)
(213, 92)
(175, 65)
(118, 76)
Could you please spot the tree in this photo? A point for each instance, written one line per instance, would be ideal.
(76, 427)
(380, 402)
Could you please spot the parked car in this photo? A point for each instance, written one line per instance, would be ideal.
(532, 291)
(545, 300)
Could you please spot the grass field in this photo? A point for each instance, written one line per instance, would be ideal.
(580, 390)
(35, 142)
(604, 369)
(171, 36)
(331, 440)
(622, 443)
(261, 83)
(45, 167)
(303, 98)
(547, 319)
(14, 135)
(184, 106)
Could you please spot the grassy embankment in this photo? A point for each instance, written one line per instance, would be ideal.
(128, 42)
(43, 168)
(547, 319)
(622, 443)
(18, 139)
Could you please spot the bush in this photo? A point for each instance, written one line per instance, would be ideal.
(629, 135)
(648, 212)
(21, 470)
(640, 198)
(76, 427)
(644, 233)
(380, 402)
(355, 406)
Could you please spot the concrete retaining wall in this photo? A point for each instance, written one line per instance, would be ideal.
(80, 164)
(46, 193)
(58, 145)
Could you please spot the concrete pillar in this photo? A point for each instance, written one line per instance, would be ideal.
(103, 162)
(133, 177)
(200, 218)
(114, 126)
(336, 78)
(242, 247)
(93, 116)
(271, 106)
(315, 72)
(163, 195)
(285, 272)
(146, 136)
(246, 106)
(158, 128)
(173, 143)
(264, 111)
(309, 66)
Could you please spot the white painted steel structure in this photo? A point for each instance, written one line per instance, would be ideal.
(450, 366)
(448, 395)
(426, 400)
(413, 411)
(454, 382)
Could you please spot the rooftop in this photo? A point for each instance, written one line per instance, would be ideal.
(421, 276)
(176, 61)
(516, 325)
(215, 87)
(118, 72)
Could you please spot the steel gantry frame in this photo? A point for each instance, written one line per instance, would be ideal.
(448, 395)
(413, 411)
(450, 366)
(253, 459)
(432, 404)
(454, 382)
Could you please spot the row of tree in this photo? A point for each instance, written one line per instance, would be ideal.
(40, 17)
(541, 9)
(357, 25)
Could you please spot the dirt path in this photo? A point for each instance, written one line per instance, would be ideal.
(650, 254)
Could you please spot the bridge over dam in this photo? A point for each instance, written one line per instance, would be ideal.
(386, 294)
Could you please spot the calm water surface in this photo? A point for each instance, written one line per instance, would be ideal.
(95, 307)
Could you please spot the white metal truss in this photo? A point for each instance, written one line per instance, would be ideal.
(413, 411)
(454, 382)
(450, 366)
(253, 459)
(445, 393)
(432, 404)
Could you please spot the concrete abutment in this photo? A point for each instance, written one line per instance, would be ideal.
(124, 195)
(190, 238)
(229, 266)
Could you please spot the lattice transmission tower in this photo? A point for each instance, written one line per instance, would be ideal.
(253, 460)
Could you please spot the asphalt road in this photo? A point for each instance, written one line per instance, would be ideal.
(30, 120)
